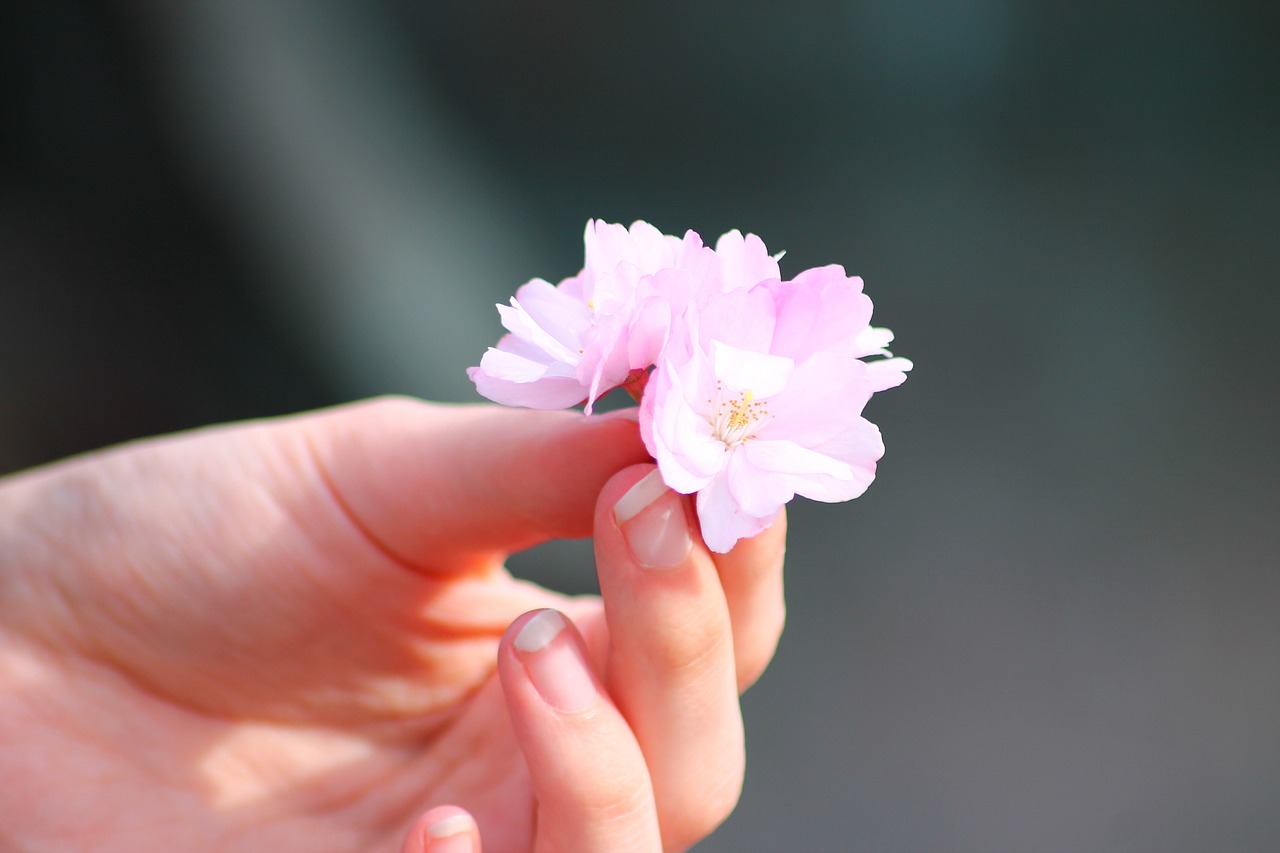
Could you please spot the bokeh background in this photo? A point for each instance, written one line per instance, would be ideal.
(1054, 621)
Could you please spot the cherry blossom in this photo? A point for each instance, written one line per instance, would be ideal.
(571, 343)
(758, 385)
(758, 397)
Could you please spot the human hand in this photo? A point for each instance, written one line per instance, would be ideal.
(282, 636)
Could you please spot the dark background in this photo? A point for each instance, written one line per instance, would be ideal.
(1052, 624)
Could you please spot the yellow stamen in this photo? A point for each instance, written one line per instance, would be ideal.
(740, 414)
(737, 420)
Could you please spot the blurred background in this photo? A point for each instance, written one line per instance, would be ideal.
(1054, 621)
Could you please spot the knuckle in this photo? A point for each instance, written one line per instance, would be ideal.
(689, 647)
(616, 797)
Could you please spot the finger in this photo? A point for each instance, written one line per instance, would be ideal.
(589, 777)
(751, 576)
(435, 485)
(444, 829)
(671, 662)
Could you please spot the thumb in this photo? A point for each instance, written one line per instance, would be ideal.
(441, 486)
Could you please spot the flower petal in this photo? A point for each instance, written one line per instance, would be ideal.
(744, 318)
(819, 309)
(723, 521)
(789, 469)
(742, 370)
(675, 432)
(512, 380)
(745, 262)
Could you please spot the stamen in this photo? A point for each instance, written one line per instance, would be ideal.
(737, 419)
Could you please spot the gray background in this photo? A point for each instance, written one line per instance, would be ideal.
(1052, 622)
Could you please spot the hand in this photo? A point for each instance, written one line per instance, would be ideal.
(283, 635)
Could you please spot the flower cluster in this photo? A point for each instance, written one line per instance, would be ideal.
(751, 388)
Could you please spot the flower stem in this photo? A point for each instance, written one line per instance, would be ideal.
(635, 382)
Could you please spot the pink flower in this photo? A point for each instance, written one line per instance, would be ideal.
(573, 342)
(758, 385)
(758, 397)
(536, 364)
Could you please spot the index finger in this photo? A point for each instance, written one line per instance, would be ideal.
(443, 486)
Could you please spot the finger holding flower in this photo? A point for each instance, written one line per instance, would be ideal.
(757, 386)
(751, 391)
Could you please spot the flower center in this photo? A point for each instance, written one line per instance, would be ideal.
(738, 418)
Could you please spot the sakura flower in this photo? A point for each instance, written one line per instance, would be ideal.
(637, 276)
(758, 385)
(535, 365)
(574, 341)
(758, 396)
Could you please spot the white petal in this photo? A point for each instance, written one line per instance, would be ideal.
(547, 393)
(522, 324)
(888, 372)
(741, 370)
(723, 522)
(798, 470)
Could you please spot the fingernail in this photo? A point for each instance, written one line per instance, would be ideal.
(555, 663)
(453, 834)
(653, 522)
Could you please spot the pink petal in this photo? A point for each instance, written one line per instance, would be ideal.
(744, 318)
(793, 470)
(675, 433)
(534, 387)
(819, 309)
(742, 370)
(723, 522)
(745, 262)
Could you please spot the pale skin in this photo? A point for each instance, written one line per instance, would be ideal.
(298, 635)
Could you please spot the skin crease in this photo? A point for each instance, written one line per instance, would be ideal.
(297, 635)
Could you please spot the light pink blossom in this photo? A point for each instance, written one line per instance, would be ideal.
(572, 342)
(758, 384)
(758, 396)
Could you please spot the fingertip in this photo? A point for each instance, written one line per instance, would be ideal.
(576, 459)
(552, 658)
(588, 773)
(654, 523)
(443, 829)
(759, 555)
(773, 537)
